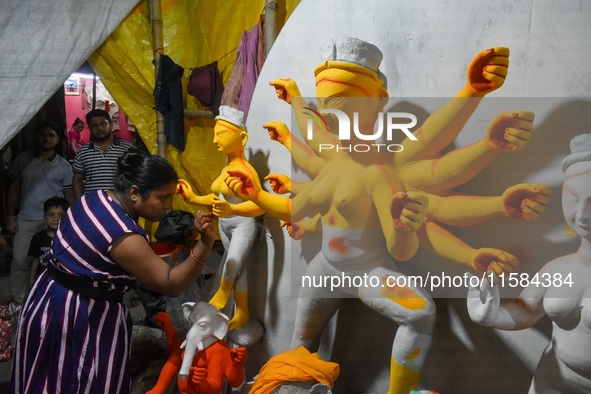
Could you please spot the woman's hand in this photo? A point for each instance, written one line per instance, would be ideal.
(204, 224)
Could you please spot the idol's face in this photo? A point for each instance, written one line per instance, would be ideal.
(576, 198)
(227, 139)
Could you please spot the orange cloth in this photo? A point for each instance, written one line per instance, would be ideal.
(297, 365)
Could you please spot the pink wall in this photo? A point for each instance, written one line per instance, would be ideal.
(74, 109)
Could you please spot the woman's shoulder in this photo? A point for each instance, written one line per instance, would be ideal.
(97, 210)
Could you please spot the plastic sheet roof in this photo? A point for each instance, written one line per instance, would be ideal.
(42, 43)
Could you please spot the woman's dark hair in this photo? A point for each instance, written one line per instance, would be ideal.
(78, 121)
(146, 171)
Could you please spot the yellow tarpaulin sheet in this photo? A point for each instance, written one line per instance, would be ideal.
(195, 33)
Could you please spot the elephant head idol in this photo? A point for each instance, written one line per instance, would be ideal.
(202, 359)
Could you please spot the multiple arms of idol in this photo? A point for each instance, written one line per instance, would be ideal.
(421, 168)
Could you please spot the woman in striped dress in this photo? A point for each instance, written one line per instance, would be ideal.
(74, 334)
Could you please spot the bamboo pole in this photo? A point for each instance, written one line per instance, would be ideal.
(158, 46)
(93, 90)
(198, 113)
(270, 23)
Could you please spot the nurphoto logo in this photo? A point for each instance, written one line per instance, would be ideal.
(394, 122)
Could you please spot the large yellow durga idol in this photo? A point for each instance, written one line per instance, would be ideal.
(374, 206)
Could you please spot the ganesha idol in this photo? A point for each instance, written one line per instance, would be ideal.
(203, 361)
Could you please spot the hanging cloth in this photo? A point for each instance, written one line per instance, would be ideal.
(169, 101)
(245, 71)
(206, 85)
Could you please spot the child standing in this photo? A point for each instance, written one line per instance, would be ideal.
(54, 209)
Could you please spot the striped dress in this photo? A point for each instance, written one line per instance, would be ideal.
(68, 343)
